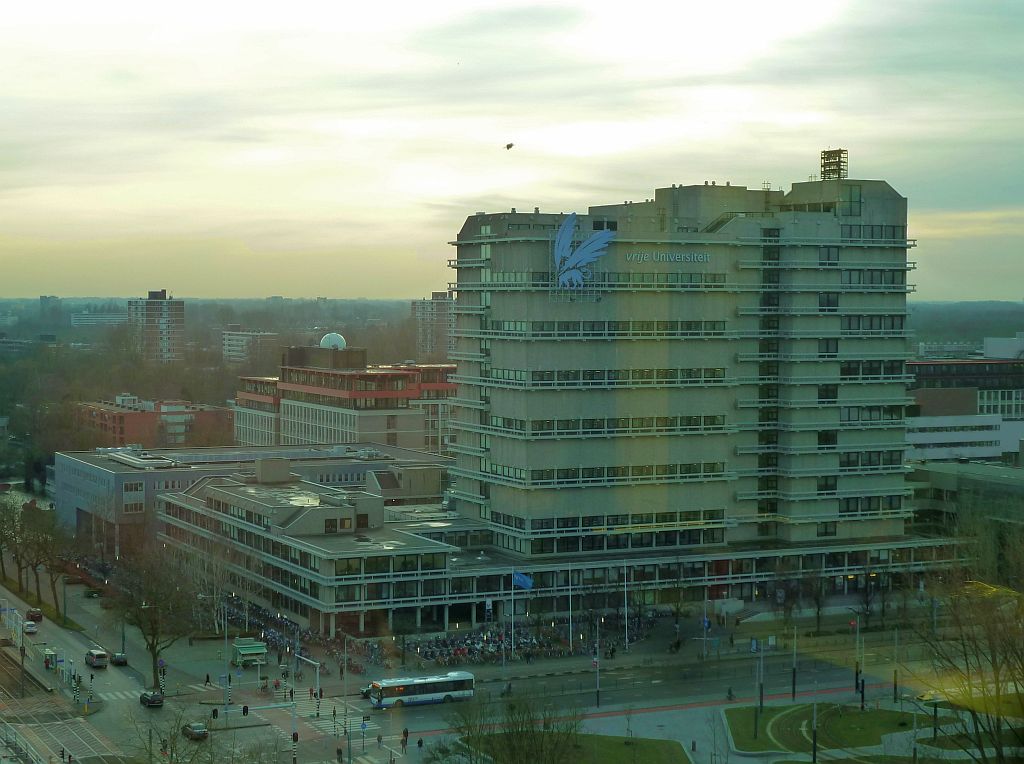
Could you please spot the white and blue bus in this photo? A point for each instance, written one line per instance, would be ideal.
(455, 685)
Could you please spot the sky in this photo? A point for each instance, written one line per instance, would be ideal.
(228, 149)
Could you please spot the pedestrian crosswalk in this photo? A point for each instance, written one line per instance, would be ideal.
(116, 695)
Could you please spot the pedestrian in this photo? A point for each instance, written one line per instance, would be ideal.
(291, 694)
(207, 680)
(419, 744)
(380, 740)
(405, 734)
(312, 692)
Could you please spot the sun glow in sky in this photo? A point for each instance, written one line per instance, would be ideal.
(230, 149)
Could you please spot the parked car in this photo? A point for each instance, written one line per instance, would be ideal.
(195, 731)
(34, 614)
(93, 593)
(119, 659)
(31, 627)
(151, 699)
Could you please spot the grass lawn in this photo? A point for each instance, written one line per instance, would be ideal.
(49, 613)
(741, 724)
(787, 728)
(1009, 737)
(608, 749)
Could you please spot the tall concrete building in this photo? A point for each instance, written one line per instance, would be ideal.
(713, 374)
(158, 326)
(435, 325)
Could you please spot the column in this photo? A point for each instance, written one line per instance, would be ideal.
(419, 617)
(446, 617)
(333, 625)
(362, 621)
(472, 614)
(391, 620)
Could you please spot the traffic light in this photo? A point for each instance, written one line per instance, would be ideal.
(214, 712)
(295, 737)
(245, 710)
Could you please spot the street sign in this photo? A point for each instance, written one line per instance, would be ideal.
(366, 718)
(362, 726)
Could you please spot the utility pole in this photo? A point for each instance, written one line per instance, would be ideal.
(794, 664)
(814, 727)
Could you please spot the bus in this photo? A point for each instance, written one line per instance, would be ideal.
(455, 685)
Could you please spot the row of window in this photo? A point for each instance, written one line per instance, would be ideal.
(607, 278)
(873, 231)
(873, 276)
(621, 376)
(610, 424)
(867, 369)
(870, 413)
(620, 541)
(605, 474)
(869, 504)
(870, 458)
(608, 327)
(872, 323)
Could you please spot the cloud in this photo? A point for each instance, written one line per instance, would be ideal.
(359, 135)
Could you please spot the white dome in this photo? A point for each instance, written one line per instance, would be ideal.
(333, 340)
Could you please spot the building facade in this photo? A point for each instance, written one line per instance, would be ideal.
(158, 327)
(108, 496)
(248, 347)
(710, 371)
(153, 424)
(330, 395)
(435, 325)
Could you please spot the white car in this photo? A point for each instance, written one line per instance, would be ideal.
(31, 627)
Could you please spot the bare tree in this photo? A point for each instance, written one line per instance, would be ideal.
(815, 585)
(156, 594)
(515, 731)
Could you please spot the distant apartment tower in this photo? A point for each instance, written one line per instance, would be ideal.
(154, 424)
(49, 307)
(158, 324)
(249, 346)
(328, 395)
(435, 326)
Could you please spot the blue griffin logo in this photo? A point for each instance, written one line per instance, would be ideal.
(571, 264)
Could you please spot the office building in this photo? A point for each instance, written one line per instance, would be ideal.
(716, 373)
(109, 496)
(435, 324)
(158, 327)
(249, 347)
(328, 394)
(127, 420)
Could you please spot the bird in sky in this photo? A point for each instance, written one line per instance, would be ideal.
(509, 145)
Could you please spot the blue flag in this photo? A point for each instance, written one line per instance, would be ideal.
(522, 580)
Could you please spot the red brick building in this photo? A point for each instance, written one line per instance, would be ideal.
(155, 424)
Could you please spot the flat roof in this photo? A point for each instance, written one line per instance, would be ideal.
(948, 361)
(225, 459)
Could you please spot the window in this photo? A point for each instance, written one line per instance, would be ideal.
(828, 348)
(331, 526)
(827, 484)
(828, 302)
(828, 393)
(850, 201)
(828, 256)
(826, 529)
